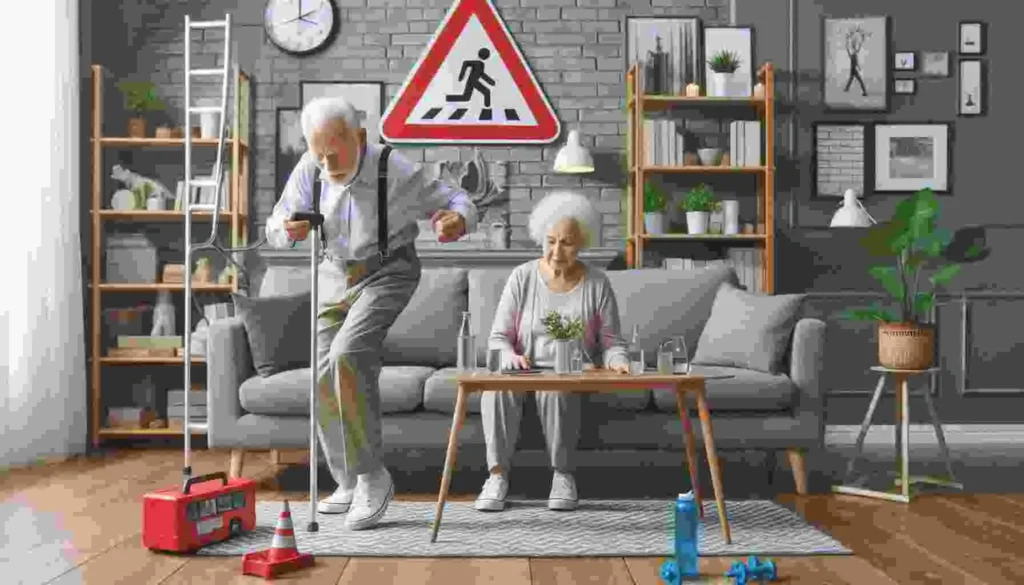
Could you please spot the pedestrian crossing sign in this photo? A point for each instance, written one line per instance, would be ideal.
(472, 85)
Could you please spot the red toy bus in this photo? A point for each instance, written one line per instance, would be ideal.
(199, 514)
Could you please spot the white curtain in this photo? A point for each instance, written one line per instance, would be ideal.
(43, 405)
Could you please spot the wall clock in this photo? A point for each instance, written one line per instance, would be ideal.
(301, 27)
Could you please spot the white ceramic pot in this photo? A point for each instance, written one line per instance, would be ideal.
(697, 222)
(731, 211)
(499, 236)
(719, 86)
(155, 204)
(654, 223)
(563, 356)
(208, 125)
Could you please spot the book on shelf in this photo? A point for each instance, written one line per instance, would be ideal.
(663, 143)
(743, 261)
(203, 195)
(745, 143)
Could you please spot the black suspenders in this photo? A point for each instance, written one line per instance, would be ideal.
(382, 204)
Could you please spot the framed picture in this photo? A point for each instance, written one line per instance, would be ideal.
(367, 97)
(856, 63)
(904, 61)
(935, 63)
(667, 50)
(904, 87)
(972, 38)
(909, 157)
(290, 146)
(840, 160)
(972, 98)
(739, 41)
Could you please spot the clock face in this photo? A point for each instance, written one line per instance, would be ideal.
(300, 26)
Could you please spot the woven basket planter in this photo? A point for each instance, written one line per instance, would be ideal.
(906, 346)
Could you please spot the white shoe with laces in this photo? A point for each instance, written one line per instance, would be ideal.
(340, 501)
(492, 496)
(563, 494)
(373, 493)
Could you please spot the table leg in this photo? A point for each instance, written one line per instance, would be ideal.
(449, 459)
(941, 437)
(716, 471)
(859, 452)
(691, 447)
(903, 419)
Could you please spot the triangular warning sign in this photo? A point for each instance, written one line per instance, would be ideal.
(471, 85)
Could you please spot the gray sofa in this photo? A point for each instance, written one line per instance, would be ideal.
(751, 411)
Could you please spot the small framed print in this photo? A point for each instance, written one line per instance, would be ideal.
(904, 61)
(904, 87)
(909, 157)
(972, 98)
(934, 63)
(972, 38)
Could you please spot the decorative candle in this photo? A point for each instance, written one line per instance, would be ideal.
(759, 90)
(692, 90)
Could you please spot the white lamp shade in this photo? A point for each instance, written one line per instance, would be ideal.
(574, 157)
(851, 213)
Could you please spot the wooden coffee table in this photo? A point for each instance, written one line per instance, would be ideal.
(597, 381)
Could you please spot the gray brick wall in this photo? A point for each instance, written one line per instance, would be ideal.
(575, 48)
(840, 160)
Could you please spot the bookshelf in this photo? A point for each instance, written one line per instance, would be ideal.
(639, 106)
(235, 216)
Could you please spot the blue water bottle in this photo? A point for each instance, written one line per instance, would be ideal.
(687, 526)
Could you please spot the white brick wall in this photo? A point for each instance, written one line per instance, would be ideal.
(840, 159)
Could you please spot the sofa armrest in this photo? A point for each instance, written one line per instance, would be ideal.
(228, 364)
(806, 364)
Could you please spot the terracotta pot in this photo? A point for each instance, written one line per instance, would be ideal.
(906, 346)
(136, 127)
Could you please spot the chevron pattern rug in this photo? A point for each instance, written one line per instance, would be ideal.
(529, 529)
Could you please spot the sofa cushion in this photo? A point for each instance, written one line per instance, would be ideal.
(287, 393)
(426, 332)
(485, 288)
(747, 390)
(440, 390)
(272, 325)
(748, 330)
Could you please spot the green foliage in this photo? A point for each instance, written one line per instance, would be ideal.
(724, 62)
(140, 96)
(563, 328)
(654, 199)
(142, 191)
(700, 198)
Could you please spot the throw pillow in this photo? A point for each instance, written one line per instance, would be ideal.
(747, 330)
(278, 331)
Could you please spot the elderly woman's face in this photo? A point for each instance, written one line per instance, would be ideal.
(563, 243)
(336, 148)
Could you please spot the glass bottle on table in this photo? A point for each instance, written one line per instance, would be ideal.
(680, 356)
(466, 359)
(636, 353)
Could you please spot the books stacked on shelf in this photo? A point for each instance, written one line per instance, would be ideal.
(742, 260)
(745, 143)
(203, 195)
(146, 346)
(176, 408)
(663, 143)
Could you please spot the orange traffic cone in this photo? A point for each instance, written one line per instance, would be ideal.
(282, 556)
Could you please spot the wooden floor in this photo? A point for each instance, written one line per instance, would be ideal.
(92, 508)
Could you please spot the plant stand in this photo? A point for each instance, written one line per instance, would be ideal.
(902, 442)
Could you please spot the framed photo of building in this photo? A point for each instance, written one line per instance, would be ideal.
(935, 63)
(840, 159)
(910, 157)
(289, 147)
(856, 62)
(367, 97)
(667, 50)
(971, 88)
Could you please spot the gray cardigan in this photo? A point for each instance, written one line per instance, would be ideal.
(515, 316)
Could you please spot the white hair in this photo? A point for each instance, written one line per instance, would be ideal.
(321, 111)
(561, 205)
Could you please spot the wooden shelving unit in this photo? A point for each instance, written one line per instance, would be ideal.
(236, 217)
(638, 105)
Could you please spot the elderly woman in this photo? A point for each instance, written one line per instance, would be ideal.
(562, 223)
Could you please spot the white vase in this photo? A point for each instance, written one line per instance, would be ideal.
(719, 86)
(208, 125)
(563, 356)
(731, 211)
(654, 223)
(697, 222)
(155, 204)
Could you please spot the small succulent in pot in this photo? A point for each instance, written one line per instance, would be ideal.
(725, 62)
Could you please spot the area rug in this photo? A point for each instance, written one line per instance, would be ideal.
(528, 529)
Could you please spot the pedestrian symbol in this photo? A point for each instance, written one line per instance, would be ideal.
(471, 85)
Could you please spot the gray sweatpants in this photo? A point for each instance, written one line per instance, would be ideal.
(352, 323)
(560, 414)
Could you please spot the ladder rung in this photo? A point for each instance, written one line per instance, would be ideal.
(219, 71)
(203, 183)
(202, 207)
(206, 109)
(209, 24)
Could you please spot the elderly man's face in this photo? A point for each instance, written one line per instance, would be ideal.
(563, 243)
(336, 148)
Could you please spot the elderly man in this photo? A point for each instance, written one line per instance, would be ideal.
(562, 223)
(370, 272)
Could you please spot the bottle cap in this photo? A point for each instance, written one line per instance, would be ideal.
(687, 496)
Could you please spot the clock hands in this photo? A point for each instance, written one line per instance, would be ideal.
(301, 17)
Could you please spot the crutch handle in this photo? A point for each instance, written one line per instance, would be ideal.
(314, 219)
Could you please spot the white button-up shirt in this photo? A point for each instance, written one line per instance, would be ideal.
(350, 211)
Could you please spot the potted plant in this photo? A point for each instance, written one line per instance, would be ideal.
(564, 331)
(916, 247)
(654, 209)
(723, 65)
(139, 98)
(698, 204)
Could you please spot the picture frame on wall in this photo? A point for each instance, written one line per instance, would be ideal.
(668, 50)
(367, 97)
(841, 159)
(904, 86)
(971, 91)
(904, 61)
(972, 38)
(856, 58)
(290, 145)
(935, 63)
(738, 40)
(910, 157)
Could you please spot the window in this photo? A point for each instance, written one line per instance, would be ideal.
(207, 508)
(239, 500)
(224, 503)
(193, 511)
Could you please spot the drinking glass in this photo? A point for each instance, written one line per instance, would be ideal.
(576, 358)
(494, 361)
(680, 356)
(666, 355)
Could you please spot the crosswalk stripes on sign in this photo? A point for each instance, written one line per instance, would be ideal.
(459, 113)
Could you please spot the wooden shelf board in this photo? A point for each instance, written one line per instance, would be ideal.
(663, 102)
(126, 142)
(111, 432)
(158, 286)
(136, 361)
(707, 237)
(697, 169)
(164, 215)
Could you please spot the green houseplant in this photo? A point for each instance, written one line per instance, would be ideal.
(723, 66)
(564, 331)
(655, 203)
(922, 261)
(139, 97)
(698, 203)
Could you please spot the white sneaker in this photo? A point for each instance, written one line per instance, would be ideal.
(339, 501)
(371, 498)
(563, 492)
(492, 496)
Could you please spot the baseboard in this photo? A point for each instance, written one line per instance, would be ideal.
(924, 433)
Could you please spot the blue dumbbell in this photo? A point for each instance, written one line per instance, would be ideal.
(670, 572)
(754, 569)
